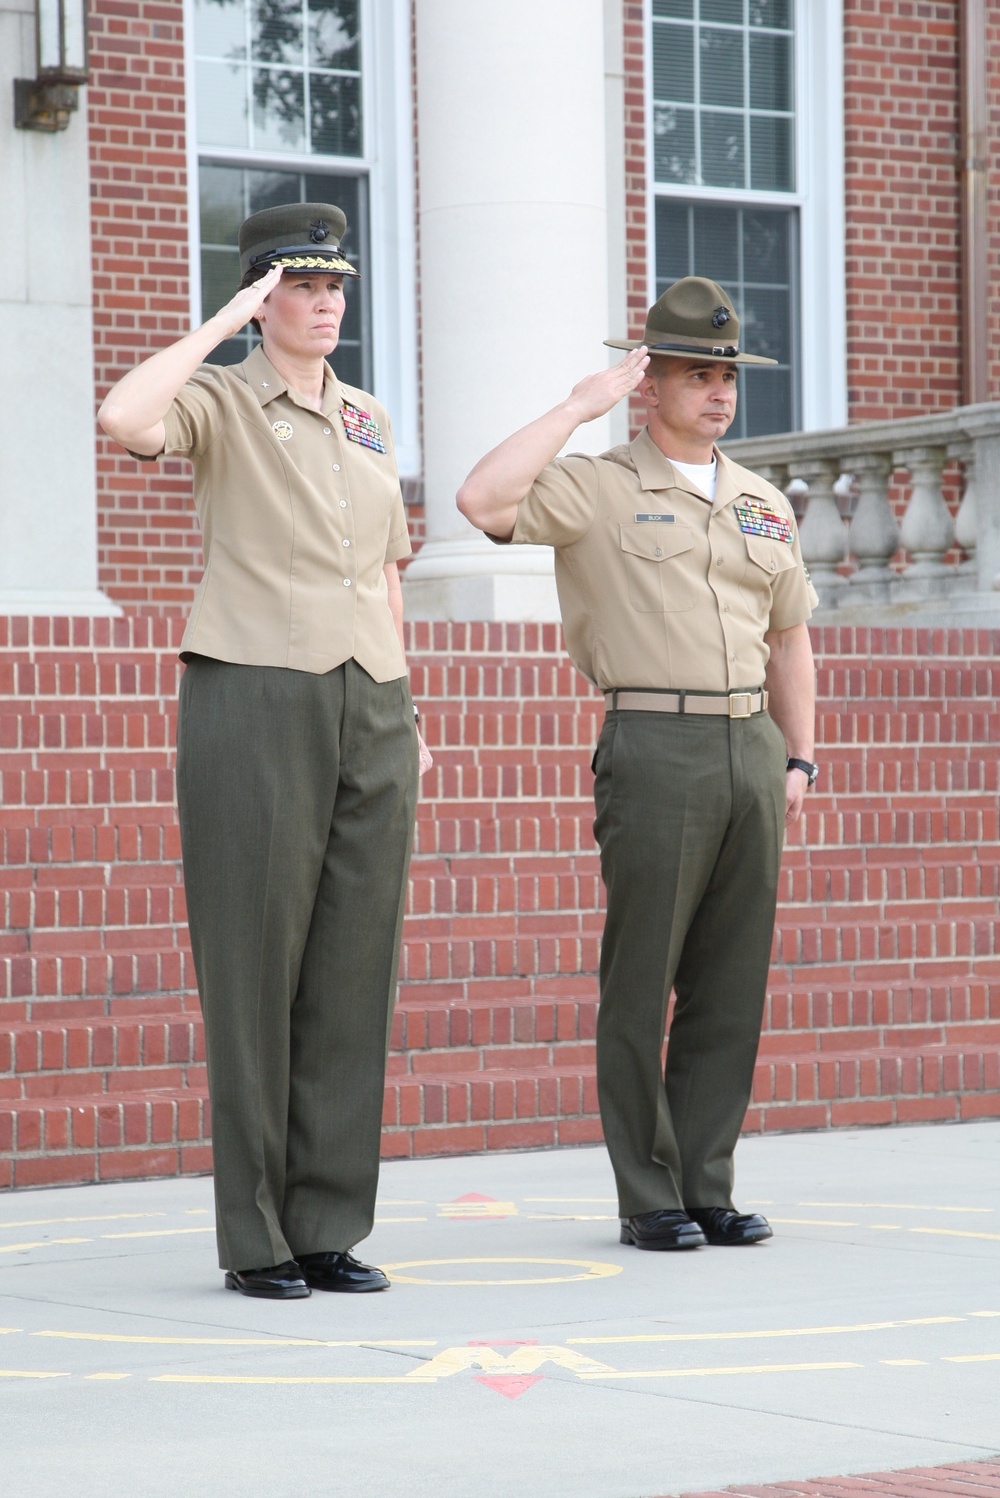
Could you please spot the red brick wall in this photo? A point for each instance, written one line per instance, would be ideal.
(884, 1002)
(638, 291)
(149, 553)
(902, 124)
(993, 190)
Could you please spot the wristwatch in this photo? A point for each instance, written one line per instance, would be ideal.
(808, 769)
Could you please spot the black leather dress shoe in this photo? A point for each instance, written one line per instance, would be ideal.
(723, 1226)
(662, 1230)
(336, 1271)
(280, 1282)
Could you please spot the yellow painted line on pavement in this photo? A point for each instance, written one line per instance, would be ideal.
(24, 1373)
(263, 1378)
(896, 1206)
(6, 1331)
(43, 1222)
(568, 1217)
(106, 1376)
(713, 1372)
(13, 1248)
(233, 1341)
(956, 1233)
(984, 1313)
(904, 1362)
(593, 1269)
(785, 1331)
(159, 1232)
(973, 1357)
(880, 1227)
(812, 1222)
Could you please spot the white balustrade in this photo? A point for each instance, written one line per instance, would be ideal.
(873, 559)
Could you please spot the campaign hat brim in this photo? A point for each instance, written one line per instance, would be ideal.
(694, 352)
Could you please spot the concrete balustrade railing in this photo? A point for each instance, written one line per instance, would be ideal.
(857, 552)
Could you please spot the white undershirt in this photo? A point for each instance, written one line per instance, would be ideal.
(702, 474)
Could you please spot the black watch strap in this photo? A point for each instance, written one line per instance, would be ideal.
(808, 769)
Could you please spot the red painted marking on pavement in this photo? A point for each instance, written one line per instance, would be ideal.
(474, 1196)
(974, 1478)
(511, 1385)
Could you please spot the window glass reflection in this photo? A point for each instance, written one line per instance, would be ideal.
(752, 253)
(280, 75)
(724, 55)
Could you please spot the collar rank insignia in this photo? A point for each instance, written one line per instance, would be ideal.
(361, 427)
(756, 518)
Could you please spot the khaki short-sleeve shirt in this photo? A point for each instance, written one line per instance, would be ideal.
(659, 586)
(300, 510)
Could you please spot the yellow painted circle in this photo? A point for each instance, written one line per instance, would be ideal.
(592, 1269)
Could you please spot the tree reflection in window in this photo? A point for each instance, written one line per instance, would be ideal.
(303, 58)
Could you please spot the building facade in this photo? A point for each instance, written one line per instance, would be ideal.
(521, 181)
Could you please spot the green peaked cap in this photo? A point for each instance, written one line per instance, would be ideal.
(300, 236)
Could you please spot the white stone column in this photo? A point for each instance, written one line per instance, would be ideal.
(48, 508)
(513, 263)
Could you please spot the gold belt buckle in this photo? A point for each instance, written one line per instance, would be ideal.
(746, 697)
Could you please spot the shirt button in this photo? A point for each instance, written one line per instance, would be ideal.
(346, 542)
(725, 608)
(326, 431)
(719, 561)
(343, 504)
(773, 566)
(336, 467)
(347, 584)
(658, 552)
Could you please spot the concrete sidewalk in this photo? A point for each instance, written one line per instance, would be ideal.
(521, 1349)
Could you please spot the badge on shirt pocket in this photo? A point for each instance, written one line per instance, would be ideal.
(362, 427)
(282, 430)
(756, 518)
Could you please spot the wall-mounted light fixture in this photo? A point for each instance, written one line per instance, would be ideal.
(47, 101)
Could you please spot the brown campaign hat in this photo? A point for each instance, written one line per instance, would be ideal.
(301, 236)
(693, 319)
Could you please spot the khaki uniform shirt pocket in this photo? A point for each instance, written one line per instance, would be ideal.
(657, 567)
(766, 561)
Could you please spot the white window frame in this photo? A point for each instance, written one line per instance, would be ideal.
(819, 198)
(388, 163)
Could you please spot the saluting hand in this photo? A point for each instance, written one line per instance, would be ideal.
(597, 393)
(246, 304)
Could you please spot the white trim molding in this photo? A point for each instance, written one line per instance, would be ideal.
(823, 306)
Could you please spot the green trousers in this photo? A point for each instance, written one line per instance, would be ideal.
(297, 796)
(690, 823)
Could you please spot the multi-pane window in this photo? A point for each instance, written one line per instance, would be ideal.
(723, 93)
(751, 251)
(279, 91)
(724, 125)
